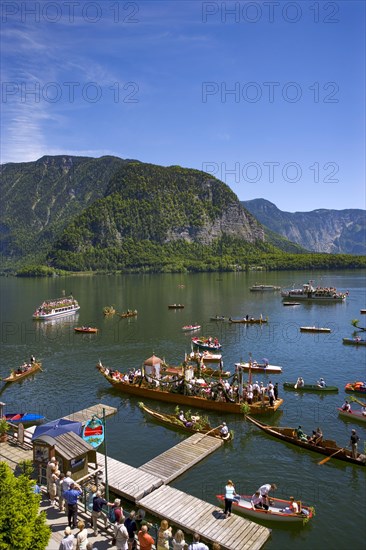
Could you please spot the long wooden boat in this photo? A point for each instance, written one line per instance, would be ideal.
(279, 510)
(87, 330)
(175, 306)
(250, 321)
(23, 371)
(172, 421)
(354, 341)
(205, 356)
(355, 387)
(315, 329)
(128, 313)
(309, 387)
(57, 307)
(24, 418)
(218, 318)
(352, 415)
(170, 391)
(205, 344)
(291, 303)
(326, 447)
(362, 311)
(259, 367)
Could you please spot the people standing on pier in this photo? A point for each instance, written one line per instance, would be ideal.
(121, 534)
(197, 544)
(131, 527)
(145, 539)
(216, 546)
(71, 498)
(67, 543)
(54, 480)
(178, 540)
(65, 486)
(230, 493)
(116, 511)
(82, 536)
(164, 534)
(50, 469)
(98, 503)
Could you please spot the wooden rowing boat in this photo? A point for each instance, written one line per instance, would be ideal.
(188, 328)
(205, 356)
(17, 375)
(206, 344)
(291, 303)
(309, 387)
(200, 425)
(128, 313)
(87, 330)
(218, 318)
(354, 341)
(315, 329)
(279, 510)
(264, 288)
(175, 306)
(352, 415)
(171, 389)
(355, 387)
(259, 367)
(326, 447)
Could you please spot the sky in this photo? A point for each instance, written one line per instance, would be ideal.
(268, 96)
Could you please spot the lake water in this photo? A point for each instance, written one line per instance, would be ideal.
(71, 382)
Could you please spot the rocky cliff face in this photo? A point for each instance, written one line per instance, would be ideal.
(331, 231)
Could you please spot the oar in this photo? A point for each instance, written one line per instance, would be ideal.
(357, 401)
(331, 456)
(213, 429)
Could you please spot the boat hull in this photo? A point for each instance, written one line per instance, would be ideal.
(243, 507)
(328, 448)
(310, 388)
(206, 347)
(86, 330)
(249, 321)
(315, 329)
(356, 387)
(24, 418)
(45, 316)
(190, 400)
(353, 342)
(259, 368)
(352, 416)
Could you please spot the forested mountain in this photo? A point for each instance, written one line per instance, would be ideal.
(80, 213)
(331, 231)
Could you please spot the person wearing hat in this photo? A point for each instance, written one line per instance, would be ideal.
(353, 442)
(224, 432)
(67, 543)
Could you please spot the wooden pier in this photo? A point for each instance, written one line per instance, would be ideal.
(86, 414)
(174, 462)
(197, 516)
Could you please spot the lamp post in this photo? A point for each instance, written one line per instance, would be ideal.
(105, 458)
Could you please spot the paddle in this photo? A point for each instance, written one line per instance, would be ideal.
(357, 401)
(331, 456)
(213, 429)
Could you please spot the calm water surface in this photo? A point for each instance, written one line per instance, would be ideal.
(71, 382)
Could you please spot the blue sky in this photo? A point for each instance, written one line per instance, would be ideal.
(267, 96)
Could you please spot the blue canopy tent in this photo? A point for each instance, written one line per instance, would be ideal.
(57, 427)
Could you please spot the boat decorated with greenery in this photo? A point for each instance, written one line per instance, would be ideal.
(57, 307)
(191, 423)
(326, 447)
(128, 313)
(109, 310)
(309, 293)
(150, 382)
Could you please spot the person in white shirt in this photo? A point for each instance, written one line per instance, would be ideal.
(264, 492)
(196, 544)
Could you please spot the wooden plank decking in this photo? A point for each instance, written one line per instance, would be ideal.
(195, 515)
(127, 481)
(86, 414)
(180, 458)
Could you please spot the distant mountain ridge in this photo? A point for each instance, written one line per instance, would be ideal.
(322, 230)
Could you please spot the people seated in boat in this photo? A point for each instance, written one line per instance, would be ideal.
(292, 508)
(257, 501)
(346, 407)
(322, 383)
(300, 382)
(301, 435)
(224, 431)
(363, 411)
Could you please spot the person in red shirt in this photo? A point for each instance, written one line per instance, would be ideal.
(145, 540)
